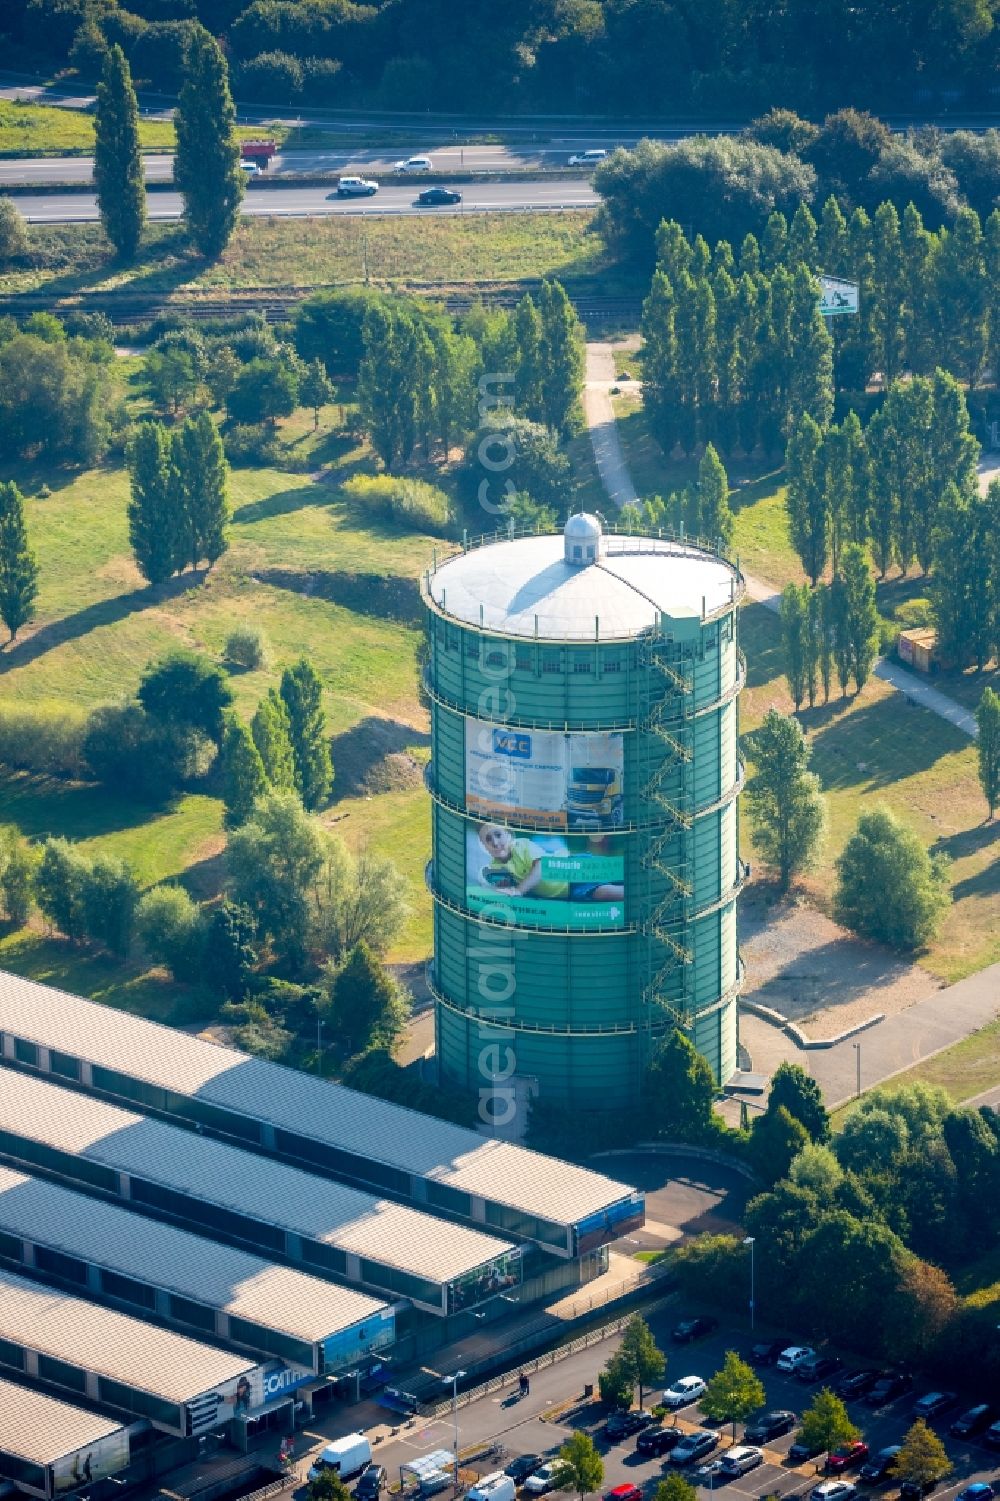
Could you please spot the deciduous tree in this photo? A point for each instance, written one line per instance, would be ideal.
(922, 1457)
(642, 1353)
(733, 1392)
(369, 1008)
(784, 802)
(271, 732)
(888, 886)
(988, 747)
(582, 1466)
(302, 695)
(826, 1424)
(244, 778)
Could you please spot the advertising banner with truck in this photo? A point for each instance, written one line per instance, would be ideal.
(552, 780)
(570, 881)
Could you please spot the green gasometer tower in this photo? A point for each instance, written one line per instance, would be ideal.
(584, 778)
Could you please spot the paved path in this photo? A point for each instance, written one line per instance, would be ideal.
(906, 1038)
(600, 415)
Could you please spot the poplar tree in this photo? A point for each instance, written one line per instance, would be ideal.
(889, 285)
(988, 746)
(301, 693)
(963, 296)
(153, 520)
(814, 643)
(793, 637)
(118, 170)
(271, 733)
(715, 519)
(200, 465)
(808, 513)
(562, 356)
(810, 353)
(18, 568)
(800, 248)
(659, 361)
(207, 160)
(528, 383)
(244, 778)
(860, 613)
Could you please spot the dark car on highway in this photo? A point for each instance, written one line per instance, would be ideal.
(439, 195)
(622, 1424)
(818, 1367)
(768, 1426)
(658, 1441)
(524, 1465)
(689, 1329)
(856, 1384)
(877, 1467)
(887, 1388)
(973, 1421)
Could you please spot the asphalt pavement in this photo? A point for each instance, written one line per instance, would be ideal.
(541, 1422)
(314, 202)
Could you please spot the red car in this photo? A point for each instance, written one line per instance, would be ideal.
(847, 1457)
(624, 1493)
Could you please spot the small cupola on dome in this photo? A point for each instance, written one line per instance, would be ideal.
(584, 540)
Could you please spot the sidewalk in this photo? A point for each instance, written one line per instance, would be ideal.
(600, 415)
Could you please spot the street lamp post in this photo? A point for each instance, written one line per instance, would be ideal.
(455, 1379)
(857, 1054)
(748, 1240)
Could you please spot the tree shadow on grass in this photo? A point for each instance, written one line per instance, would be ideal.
(46, 807)
(103, 612)
(283, 503)
(760, 639)
(833, 974)
(878, 743)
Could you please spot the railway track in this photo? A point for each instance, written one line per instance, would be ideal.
(278, 304)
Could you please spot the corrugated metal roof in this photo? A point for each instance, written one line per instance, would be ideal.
(43, 1429)
(240, 1284)
(217, 1173)
(97, 1339)
(527, 588)
(420, 1144)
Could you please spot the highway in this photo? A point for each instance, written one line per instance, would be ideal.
(305, 203)
(376, 160)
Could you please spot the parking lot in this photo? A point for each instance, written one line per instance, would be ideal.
(540, 1423)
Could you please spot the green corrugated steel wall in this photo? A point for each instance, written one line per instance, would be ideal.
(575, 984)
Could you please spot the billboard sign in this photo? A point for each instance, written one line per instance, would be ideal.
(836, 297)
(552, 780)
(348, 1346)
(259, 1388)
(609, 1224)
(501, 1275)
(571, 881)
(96, 1461)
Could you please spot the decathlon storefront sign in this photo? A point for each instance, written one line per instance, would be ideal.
(246, 1396)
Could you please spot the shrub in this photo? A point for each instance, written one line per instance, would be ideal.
(171, 931)
(47, 739)
(127, 750)
(888, 886)
(110, 896)
(412, 503)
(59, 887)
(17, 880)
(247, 444)
(914, 612)
(246, 648)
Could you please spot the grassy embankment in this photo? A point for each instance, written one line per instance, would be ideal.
(50, 130)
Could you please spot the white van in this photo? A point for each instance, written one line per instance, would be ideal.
(348, 1456)
(495, 1487)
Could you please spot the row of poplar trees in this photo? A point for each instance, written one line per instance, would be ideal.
(831, 628)
(207, 160)
(178, 509)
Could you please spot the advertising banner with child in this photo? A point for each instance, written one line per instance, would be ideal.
(570, 881)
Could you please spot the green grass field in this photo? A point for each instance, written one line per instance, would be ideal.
(487, 250)
(50, 130)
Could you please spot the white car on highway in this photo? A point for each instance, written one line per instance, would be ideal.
(356, 187)
(414, 164)
(587, 158)
(683, 1392)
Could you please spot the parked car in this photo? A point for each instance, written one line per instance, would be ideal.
(979, 1490)
(524, 1465)
(800, 1452)
(587, 158)
(740, 1460)
(992, 1436)
(413, 164)
(250, 168)
(546, 1478)
(373, 1482)
(356, 187)
(768, 1426)
(623, 1424)
(624, 1493)
(846, 1457)
(818, 1367)
(933, 1404)
(856, 1384)
(765, 1351)
(877, 1467)
(889, 1386)
(439, 195)
(683, 1392)
(834, 1490)
(658, 1441)
(793, 1355)
(913, 1490)
(707, 1473)
(973, 1421)
(689, 1329)
(694, 1446)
